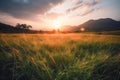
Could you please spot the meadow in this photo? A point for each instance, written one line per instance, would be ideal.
(73, 56)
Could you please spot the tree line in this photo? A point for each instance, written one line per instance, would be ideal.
(23, 26)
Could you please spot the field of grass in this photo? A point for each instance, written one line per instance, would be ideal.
(59, 57)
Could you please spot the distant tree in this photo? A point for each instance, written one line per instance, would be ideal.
(18, 25)
(23, 26)
(58, 30)
(53, 30)
(29, 26)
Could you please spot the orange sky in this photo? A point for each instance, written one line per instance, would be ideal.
(42, 14)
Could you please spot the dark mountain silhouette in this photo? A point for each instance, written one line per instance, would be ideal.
(105, 24)
(5, 28)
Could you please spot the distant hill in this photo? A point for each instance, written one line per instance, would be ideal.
(105, 24)
(5, 28)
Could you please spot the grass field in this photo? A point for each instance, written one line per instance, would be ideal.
(72, 56)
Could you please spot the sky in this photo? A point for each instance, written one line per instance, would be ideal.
(43, 14)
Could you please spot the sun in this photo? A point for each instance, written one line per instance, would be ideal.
(56, 24)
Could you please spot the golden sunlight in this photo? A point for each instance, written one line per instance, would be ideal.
(56, 24)
(82, 29)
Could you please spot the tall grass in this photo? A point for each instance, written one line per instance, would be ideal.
(59, 57)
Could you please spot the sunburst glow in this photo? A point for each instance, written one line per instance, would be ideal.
(82, 29)
(56, 24)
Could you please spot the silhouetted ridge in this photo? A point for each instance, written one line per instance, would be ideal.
(103, 24)
(5, 28)
(106, 24)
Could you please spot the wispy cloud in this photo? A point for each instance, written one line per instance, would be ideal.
(52, 16)
(84, 7)
(73, 8)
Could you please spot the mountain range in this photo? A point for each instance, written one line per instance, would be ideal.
(103, 24)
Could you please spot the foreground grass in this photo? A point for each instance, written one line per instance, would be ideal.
(59, 57)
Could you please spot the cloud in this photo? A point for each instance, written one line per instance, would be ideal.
(26, 9)
(86, 12)
(73, 8)
(92, 2)
(84, 7)
(52, 16)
